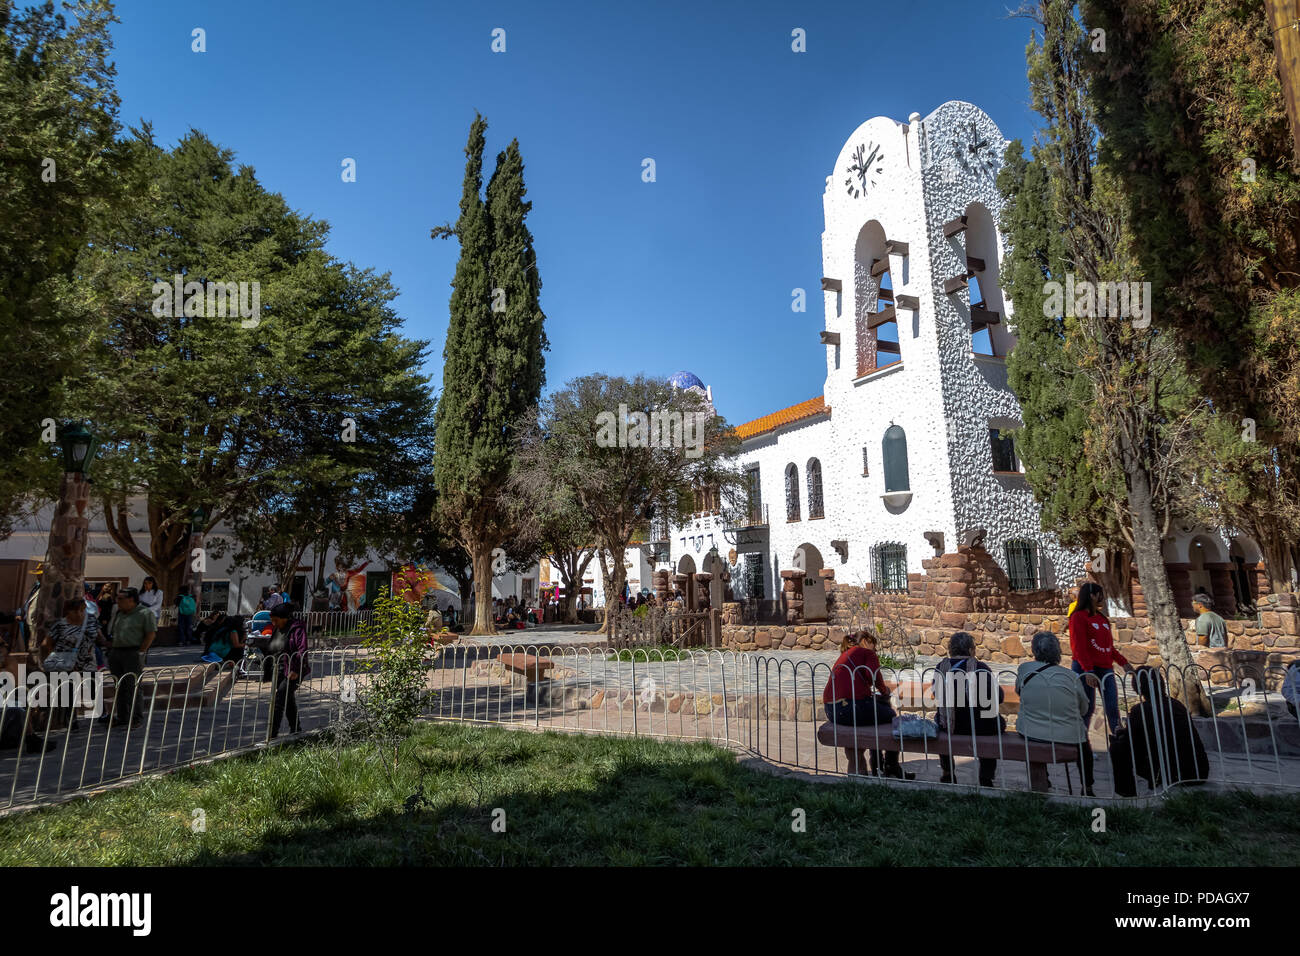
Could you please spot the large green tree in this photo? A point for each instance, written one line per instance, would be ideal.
(593, 439)
(494, 369)
(1144, 418)
(1194, 121)
(58, 123)
(229, 409)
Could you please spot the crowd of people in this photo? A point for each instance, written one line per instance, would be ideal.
(113, 627)
(1156, 741)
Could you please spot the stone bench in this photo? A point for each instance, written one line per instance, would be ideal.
(533, 669)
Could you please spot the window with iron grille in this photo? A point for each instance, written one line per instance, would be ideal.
(814, 472)
(889, 567)
(791, 492)
(1004, 450)
(1022, 565)
(754, 576)
(865, 469)
(755, 495)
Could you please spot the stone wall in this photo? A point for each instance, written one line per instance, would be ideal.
(965, 590)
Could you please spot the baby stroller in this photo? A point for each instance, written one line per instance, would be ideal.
(256, 663)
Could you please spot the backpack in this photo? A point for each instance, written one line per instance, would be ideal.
(187, 605)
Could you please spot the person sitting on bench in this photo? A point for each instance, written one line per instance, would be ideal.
(963, 688)
(856, 696)
(1159, 735)
(1052, 705)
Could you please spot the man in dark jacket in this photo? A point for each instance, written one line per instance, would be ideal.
(288, 647)
(1159, 737)
(968, 703)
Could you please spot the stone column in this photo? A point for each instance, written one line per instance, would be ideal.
(661, 586)
(1262, 585)
(1221, 589)
(1181, 584)
(65, 571)
(792, 592)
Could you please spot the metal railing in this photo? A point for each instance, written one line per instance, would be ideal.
(335, 625)
(768, 705)
(182, 715)
(771, 706)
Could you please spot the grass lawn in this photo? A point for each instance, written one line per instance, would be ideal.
(592, 800)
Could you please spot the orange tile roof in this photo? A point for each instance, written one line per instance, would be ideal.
(814, 406)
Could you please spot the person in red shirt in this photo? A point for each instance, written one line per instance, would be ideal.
(1093, 654)
(856, 696)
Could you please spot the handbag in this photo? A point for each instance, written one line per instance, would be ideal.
(64, 660)
(914, 725)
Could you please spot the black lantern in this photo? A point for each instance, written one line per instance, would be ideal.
(79, 447)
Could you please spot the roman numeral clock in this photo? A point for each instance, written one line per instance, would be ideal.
(863, 172)
(972, 150)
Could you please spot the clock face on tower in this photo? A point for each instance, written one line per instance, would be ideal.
(973, 152)
(868, 162)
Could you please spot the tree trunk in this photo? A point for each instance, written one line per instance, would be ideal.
(606, 582)
(612, 606)
(481, 561)
(572, 567)
(1276, 551)
(1183, 674)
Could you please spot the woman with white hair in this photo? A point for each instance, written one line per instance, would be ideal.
(1052, 708)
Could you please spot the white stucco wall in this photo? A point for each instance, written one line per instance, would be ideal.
(942, 396)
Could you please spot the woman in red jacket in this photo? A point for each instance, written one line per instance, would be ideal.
(856, 696)
(1093, 654)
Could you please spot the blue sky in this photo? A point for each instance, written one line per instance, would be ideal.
(693, 271)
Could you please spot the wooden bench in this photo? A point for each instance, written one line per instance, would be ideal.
(533, 669)
(1005, 746)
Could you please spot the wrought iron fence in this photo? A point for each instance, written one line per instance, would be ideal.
(768, 705)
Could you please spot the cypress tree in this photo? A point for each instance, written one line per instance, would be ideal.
(493, 367)
(1074, 489)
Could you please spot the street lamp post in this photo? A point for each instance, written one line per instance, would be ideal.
(66, 565)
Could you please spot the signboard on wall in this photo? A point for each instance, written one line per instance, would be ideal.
(751, 541)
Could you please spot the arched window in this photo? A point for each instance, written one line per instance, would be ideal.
(873, 298)
(894, 452)
(791, 492)
(814, 472)
(986, 306)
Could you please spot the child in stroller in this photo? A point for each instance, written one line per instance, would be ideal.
(256, 661)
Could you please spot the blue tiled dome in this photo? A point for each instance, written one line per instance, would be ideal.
(686, 380)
